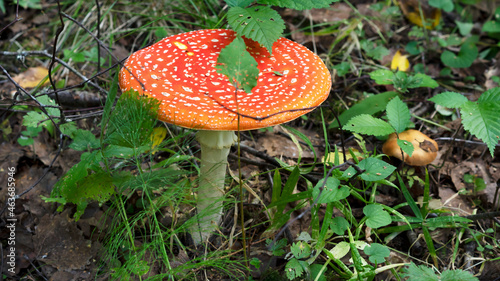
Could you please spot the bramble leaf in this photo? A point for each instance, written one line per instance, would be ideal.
(481, 117)
(238, 65)
(382, 76)
(449, 99)
(259, 23)
(398, 114)
(238, 3)
(299, 4)
(369, 125)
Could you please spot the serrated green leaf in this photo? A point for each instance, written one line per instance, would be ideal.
(259, 23)
(369, 125)
(457, 274)
(370, 105)
(449, 99)
(84, 140)
(331, 192)
(33, 119)
(398, 114)
(375, 169)
(481, 118)
(374, 51)
(238, 65)
(421, 273)
(300, 250)
(406, 146)
(238, 3)
(377, 252)
(298, 4)
(294, 269)
(376, 216)
(382, 76)
(465, 57)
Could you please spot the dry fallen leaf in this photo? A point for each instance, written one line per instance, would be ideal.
(32, 77)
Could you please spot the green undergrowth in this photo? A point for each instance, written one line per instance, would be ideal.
(149, 200)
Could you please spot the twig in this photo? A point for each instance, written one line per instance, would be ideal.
(63, 63)
(16, 19)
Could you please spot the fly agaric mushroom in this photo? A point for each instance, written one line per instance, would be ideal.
(425, 148)
(180, 72)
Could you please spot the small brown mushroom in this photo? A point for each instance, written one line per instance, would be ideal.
(425, 148)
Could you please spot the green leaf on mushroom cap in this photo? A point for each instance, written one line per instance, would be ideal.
(259, 23)
(238, 65)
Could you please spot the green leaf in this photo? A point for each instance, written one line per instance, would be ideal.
(315, 270)
(84, 140)
(464, 27)
(376, 216)
(398, 114)
(374, 51)
(465, 57)
(339, 225)
(298, 4)
(421, 273)
(424, 81)
(491, 26)
(238, 65)
(449, 99)
(481, 118)
(446, 5)
(277, 248)
(294, 268)
(457, 274)
(369, 125)
(382, 76)
(377, 252)
(238, 3)
(259, 23)
(375, 169)
(300, 250)
(331, 192)
(370, 105)
(342, 68)
(340, 250)
(406, 146)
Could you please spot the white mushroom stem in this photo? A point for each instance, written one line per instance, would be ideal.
(215, 147)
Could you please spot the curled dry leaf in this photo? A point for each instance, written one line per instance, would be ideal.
(32, 77)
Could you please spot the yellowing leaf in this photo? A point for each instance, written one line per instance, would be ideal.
(159, 133)
(411, 10)
(330, 158)
(400, 62)
(32, 77)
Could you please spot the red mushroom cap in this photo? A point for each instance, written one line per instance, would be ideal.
(180, 72)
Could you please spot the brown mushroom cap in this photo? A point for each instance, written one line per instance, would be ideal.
(180, 72)
(425, 148)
